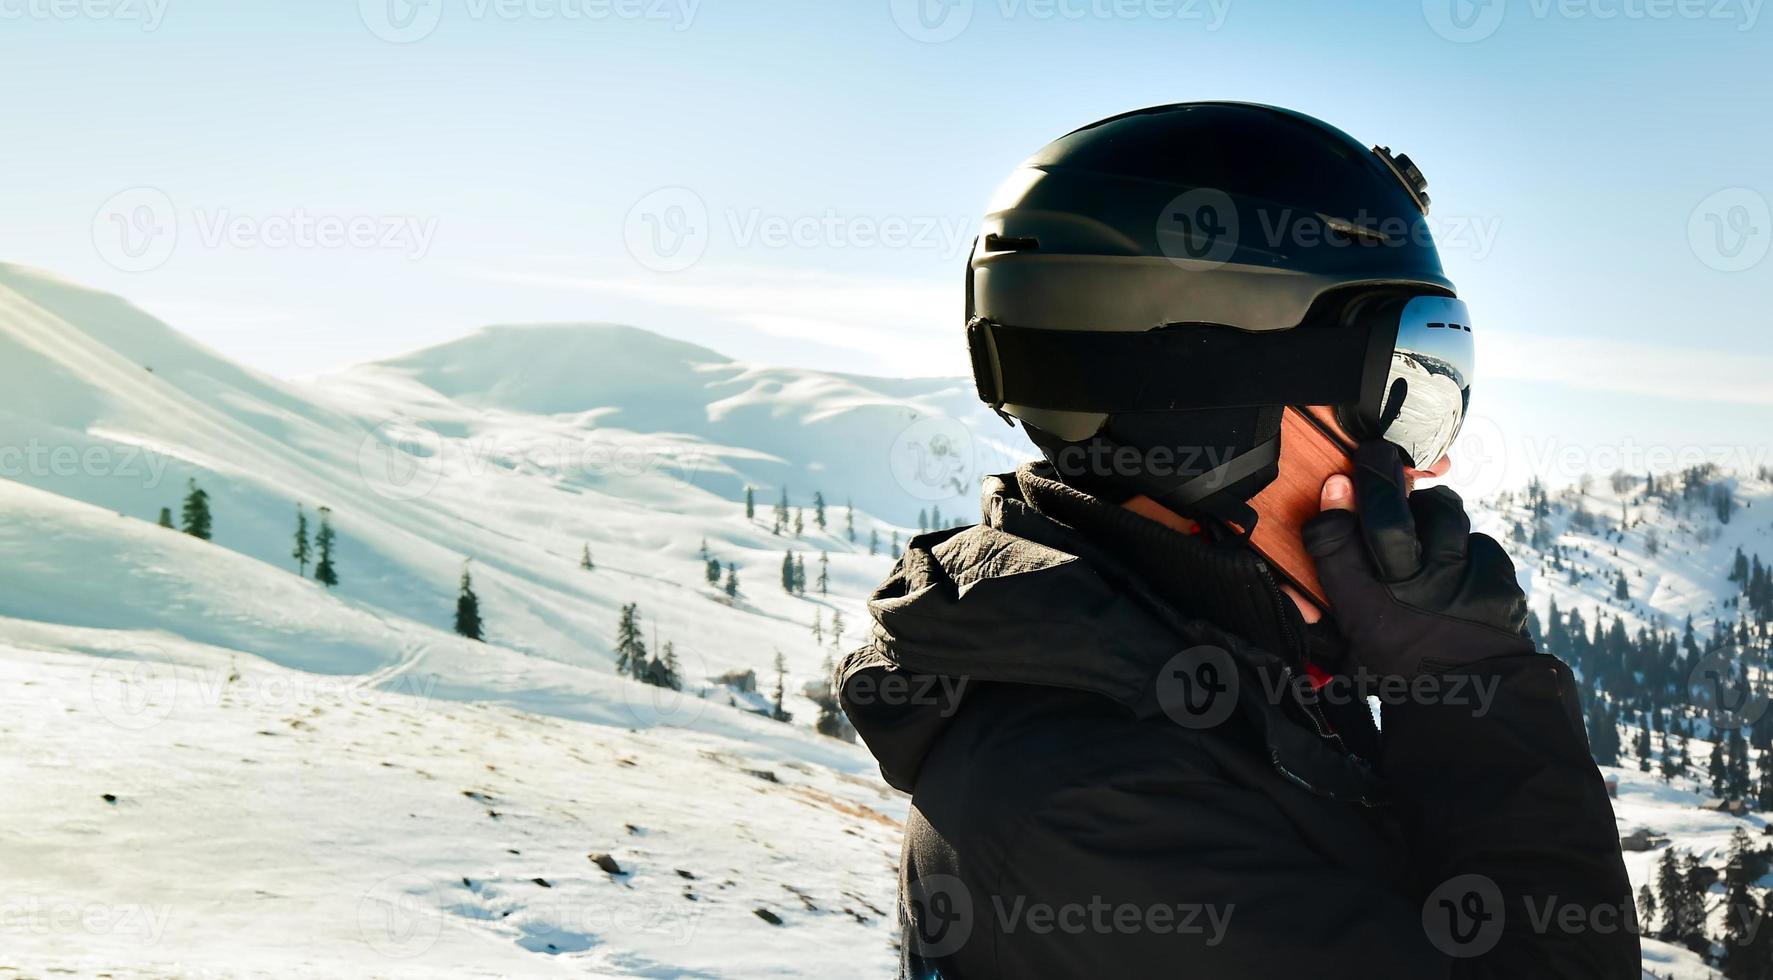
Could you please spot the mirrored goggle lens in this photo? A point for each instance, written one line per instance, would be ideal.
(1428, 390)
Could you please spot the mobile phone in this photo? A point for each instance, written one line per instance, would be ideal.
(1312, 449)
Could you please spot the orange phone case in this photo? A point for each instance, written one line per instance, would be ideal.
(1311, 450)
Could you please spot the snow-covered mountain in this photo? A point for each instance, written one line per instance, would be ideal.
(215, 766)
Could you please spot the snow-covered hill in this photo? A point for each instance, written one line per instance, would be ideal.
(217, 767)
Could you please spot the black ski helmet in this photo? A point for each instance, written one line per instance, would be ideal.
(1149, 291)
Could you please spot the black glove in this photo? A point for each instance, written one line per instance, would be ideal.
(1410, 587)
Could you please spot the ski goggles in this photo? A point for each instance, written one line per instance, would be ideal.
(1395, 366)
(1420, 402)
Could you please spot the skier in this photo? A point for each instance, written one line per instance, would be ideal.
(1134, 747)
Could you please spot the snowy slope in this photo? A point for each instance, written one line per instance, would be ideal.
(290, 763)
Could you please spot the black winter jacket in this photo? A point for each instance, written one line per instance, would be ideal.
(1037, 683)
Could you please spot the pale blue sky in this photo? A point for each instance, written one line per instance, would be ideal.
(499, 155)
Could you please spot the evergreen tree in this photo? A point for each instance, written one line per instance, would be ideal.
(799, 521)
(1646, 909)
(165, 517)
(874, 541)
(1738, 780)
(895, 545)
(711, 571)
(1643, 748)
(936, 518)
(1695, 882)
(468, 621)
(732, 580)
(194, 518)
(1671, 887)
(301, 553)
(837, 629)
(849, 521)
(781, 713)
(923, 521)
(788, 572)
(1714, 767)
(630, 645)
(585, 558)
(750, 503)
(824, 573)
(1764, 788)
(781, 514)
(1603, 735)
(799, 575)
(1620, 591)
(818, 627)
(324, 571)
(819, 509)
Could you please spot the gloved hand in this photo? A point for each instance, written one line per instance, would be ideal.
(1410, 587)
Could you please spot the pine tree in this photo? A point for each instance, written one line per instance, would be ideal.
(936, 518)
(849, 521)
(468, 621)
(818, 627)
(788, 572)
(301, 553)
(585, 558)
(194, 519)
(1671, 887)
(781, 513)
(732, 581)
(1694, 884)
(1715, 767)
(1646, 908)
(874, 541)
(630, 645)
(799, 521)
(837, 629)
(819, 509)
(750, 503)
(781, 713)
(799, 575)
(711, 571)
(165, 517)
(923, 521)
(324, 571)
(824, 573)
(1620, 591)
(1643, 748)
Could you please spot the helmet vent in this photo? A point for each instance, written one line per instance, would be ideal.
(1011, 243)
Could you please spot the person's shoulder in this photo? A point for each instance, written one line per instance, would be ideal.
(1014, 750)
